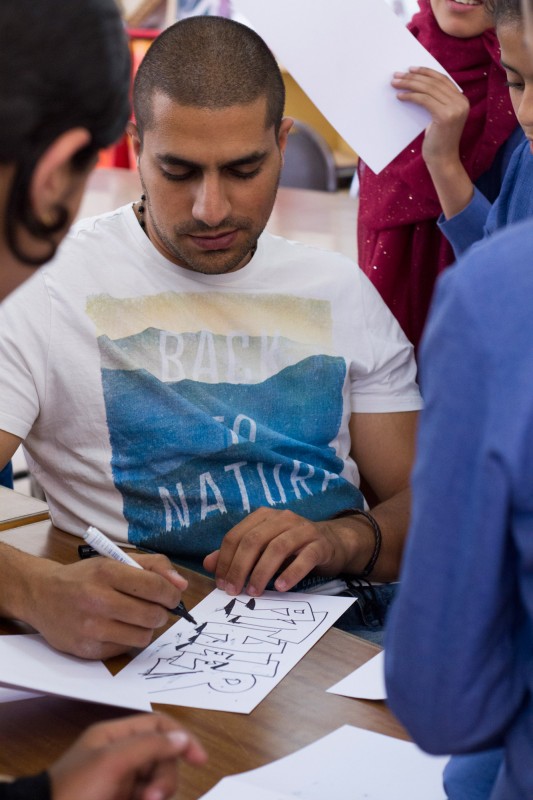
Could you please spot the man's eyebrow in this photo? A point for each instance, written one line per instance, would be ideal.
(176, 161)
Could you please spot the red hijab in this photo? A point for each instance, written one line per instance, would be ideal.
(400, 247)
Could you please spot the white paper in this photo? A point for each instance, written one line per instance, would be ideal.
(343, 53)
(348, 763)
(237, 652)
(28, 662)
(365, 683)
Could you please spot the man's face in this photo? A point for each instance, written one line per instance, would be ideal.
(210, 179)
(461, 18)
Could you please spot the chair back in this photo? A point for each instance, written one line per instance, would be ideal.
(309, 162)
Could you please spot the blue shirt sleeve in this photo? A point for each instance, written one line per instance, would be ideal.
(454, 635)
(480, 218)
(468, 226)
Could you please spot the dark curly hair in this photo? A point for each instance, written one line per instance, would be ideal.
(63, 64)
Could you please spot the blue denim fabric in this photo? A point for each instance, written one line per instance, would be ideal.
(6, 476)
(472, 777)
(366, 618)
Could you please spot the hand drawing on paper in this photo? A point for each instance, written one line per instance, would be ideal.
(239, 643)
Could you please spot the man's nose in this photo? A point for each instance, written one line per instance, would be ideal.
(211, 203)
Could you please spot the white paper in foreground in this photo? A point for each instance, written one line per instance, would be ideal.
(237, 652)
(28, 662)
(343, 53)
(349, 763)
(10, 695)
(366, 682)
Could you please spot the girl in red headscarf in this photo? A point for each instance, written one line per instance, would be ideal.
(399, 244)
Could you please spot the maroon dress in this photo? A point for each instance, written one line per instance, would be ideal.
(400, 247)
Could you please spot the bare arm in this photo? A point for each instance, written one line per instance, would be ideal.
(8, 445)
(449, 110)
(270, 541)
(93, 609)
(383, 447)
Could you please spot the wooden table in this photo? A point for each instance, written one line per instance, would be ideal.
(321, 219)
(297, 712)
(19, 509)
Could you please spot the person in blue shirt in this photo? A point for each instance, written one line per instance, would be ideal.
(459, 648)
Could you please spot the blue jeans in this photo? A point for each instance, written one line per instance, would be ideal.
(472, 776)
(6, 476)
(366, 617)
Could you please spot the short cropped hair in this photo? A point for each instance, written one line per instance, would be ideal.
(504, 11)
(208, 62)
(63, 64)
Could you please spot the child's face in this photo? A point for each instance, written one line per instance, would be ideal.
(527, 11)
(461, 18)
(518, 65)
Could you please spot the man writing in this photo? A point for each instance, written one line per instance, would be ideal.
(63, 96)
(222, 390)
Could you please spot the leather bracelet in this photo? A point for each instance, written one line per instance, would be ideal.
(377, 537)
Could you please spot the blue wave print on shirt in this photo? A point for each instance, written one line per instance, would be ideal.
(192, 459)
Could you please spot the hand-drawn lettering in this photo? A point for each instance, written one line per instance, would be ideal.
(243, 641)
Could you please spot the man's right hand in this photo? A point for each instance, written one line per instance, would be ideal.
(96, 608)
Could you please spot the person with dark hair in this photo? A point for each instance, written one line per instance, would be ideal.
(459, 646)
(64, 82)
(225, 391)
(90, 112)
(64, 96)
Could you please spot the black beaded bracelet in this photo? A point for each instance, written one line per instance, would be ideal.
(377, 537)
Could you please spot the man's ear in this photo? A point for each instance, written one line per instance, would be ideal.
(133, 132)
(284, 128)
(53, 181)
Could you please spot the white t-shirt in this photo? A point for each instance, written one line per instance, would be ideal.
(162, 405)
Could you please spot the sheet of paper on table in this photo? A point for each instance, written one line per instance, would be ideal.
(10, 695)
(28, 662)
(237, 652)
(343, 53)
(348, 763)
(366, 682)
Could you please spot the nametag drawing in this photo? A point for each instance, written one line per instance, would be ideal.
(239, 650)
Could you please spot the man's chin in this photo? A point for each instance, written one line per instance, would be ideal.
(216, 262)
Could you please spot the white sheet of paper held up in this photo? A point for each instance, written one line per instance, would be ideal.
(347, 763)
(28, 662)
(365, 683)
(343, 53)
(239, 650)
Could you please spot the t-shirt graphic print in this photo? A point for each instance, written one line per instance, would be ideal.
(218, 403)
